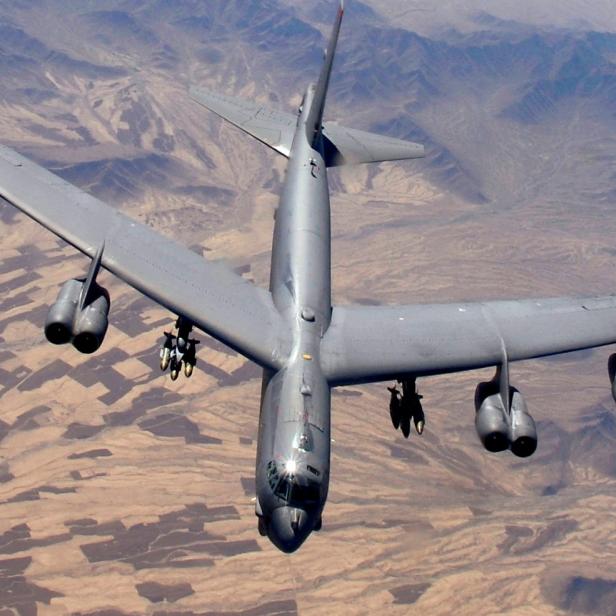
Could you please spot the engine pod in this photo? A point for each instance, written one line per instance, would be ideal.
(523, 434)
(611, 368)
(91, 323)
(490, 418)
(61, 315)
(491, 425)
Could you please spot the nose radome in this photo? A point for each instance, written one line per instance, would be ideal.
(288, 528)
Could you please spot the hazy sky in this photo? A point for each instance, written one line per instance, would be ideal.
(427, 15)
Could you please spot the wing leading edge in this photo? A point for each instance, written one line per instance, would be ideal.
(215, 299)
(377, 343)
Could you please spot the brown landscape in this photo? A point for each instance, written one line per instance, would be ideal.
(422, 16)
(124, 493)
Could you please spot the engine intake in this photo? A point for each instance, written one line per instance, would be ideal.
(85, 327)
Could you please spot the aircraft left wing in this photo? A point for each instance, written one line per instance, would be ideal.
(377, 343)
(214, 298)
(273, 128)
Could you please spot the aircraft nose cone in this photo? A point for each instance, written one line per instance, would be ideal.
(288, 528)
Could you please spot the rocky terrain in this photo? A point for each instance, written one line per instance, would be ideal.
(597, 15)
(124, 493)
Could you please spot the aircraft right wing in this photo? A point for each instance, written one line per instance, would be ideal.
(377, 343)
(214, 298)
(348, 146)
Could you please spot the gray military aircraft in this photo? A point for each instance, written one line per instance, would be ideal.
(305, 346)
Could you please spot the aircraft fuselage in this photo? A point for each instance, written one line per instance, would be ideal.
(293, 456)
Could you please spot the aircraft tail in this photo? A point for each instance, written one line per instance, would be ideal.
(315, 117)
(276, 129)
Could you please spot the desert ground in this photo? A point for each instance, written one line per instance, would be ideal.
(124, 493)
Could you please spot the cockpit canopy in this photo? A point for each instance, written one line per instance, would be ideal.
(291, 485)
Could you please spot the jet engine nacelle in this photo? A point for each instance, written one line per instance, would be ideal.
(490, 418)
(523, 433)
(86, 327)
(611, 368)
(61, 316)
(91, 324)
(499, 430)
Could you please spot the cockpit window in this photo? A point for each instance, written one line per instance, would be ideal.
(292, 488)
(304, 442)
(291, 491)
(313, 470)
(272, 475)
(308, 493)
(283, 489)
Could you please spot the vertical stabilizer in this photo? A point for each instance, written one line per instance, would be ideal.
(315, 117)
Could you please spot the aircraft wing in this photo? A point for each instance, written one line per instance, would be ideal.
(273, 128)
(377, 343)
(214, 298)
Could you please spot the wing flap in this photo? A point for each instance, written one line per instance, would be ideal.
(348, 146)
(273, 128)
(215, 299)
(377, 343)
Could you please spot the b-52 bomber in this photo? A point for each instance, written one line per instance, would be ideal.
(305, 345)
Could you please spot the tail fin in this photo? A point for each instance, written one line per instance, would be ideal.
(342, 146)
(315, 117)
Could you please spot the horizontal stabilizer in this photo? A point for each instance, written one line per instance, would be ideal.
(273, 128)
(347, 146)
(276, 129)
